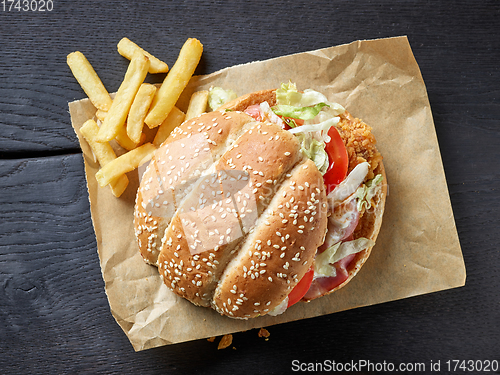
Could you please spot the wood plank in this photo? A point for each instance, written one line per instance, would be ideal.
(54, 315)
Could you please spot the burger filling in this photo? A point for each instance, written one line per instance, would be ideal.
(346, 156)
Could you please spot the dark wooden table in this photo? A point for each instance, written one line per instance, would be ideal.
(54, 315)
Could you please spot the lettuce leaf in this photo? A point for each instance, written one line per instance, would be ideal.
(314, 150)
(350, 185)
(321, 127)
(302, 113)
(287, 94)
(366, 192)
(323, 265)
(217, 97)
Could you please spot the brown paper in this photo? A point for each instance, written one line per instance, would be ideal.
(417, 251)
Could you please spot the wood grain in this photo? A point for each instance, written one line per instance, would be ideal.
(54, 315)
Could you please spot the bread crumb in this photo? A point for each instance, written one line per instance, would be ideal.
(225, 341)
(264, 333)
(211, 339)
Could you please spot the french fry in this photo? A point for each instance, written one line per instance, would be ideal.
(197, 104)
(104, 154)
(100, 114)
(175, 82)
(122, 137)
(174, 119)
(125, 163)
(125, 142)
(117, 114)
(127, 48)
(89, 80)
(139, 110)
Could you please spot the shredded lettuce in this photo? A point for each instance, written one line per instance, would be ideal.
(287, 94)
(350, 184)
(322, 126)
(323, 265)
(302, 113)
(318, 114)
(217, 96)
(313, 140)
(314, 150)
(365, 193)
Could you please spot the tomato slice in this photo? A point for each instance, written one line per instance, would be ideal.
(287, 120)
(336, 150)
(339, 160)
(301, 288)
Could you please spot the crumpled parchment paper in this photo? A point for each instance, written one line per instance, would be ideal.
(417, 251)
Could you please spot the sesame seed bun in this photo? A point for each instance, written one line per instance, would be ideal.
(232, 213)
(236, 228)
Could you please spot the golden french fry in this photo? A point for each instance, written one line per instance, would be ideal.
(175, 82)
(122, 137)
(125, 163)
(100, 114)
(127, 48)
(89, 80)
(117, 114)
(174, 119)
(139, 110)
(197, 104)
(104, 154)
(125, 142)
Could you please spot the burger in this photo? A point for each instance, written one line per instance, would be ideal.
(272, 198)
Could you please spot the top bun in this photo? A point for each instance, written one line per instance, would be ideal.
(231, 213)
